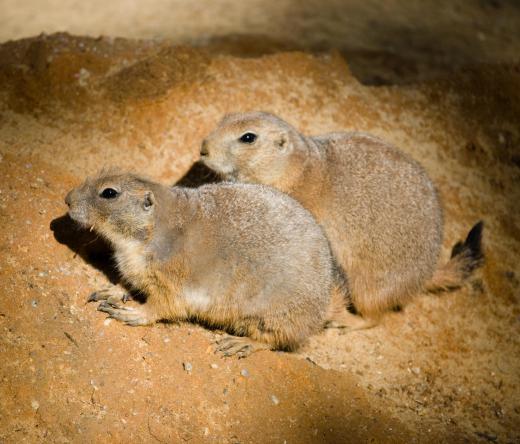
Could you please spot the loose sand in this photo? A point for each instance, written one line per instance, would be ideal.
(446, 369)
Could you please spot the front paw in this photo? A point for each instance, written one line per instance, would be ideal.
(112, 295)
(241, 347)
(134, 316)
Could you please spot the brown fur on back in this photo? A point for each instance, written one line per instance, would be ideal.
(378, 206)
(245, 258)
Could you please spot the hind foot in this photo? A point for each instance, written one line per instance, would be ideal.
(239, 346)
(348, 322)
(134, 316)
(112, 295)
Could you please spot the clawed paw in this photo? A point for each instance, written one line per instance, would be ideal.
(129, 315)
(112, 295)
(238, 346)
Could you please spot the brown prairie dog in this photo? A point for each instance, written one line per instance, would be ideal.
(378, 206)
(245, 258)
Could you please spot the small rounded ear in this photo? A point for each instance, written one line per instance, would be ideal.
(283, 142)
(148, 201)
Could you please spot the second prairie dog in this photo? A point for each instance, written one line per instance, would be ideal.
(378, 206)
(245, 258)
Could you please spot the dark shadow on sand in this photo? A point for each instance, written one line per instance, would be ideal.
(88, 245)
(93, 249)
(198, 175)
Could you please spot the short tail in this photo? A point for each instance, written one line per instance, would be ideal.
(466, 257)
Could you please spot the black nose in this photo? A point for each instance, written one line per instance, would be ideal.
(204, 148)
(68, 198)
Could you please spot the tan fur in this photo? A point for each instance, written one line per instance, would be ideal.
(245, 258)
(453, 274)
(378, 207)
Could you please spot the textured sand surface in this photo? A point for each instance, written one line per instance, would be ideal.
(415, 38)
(446, 369)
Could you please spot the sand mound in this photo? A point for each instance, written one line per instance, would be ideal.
(445, 369)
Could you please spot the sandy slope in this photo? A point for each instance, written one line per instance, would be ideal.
(416, 38)
(446, 369)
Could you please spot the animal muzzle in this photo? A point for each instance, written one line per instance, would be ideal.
(76, 213)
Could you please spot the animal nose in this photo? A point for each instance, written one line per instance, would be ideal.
(68, 198)
(204, 148)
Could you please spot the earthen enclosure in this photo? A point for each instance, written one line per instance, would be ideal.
(445, 369)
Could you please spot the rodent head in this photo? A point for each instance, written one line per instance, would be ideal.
(255, 147)
(116, 205)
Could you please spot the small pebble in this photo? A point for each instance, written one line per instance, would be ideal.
(214, 366)
(35, 405)
(244, 373)
(166, 340)
(416, 370)
(107, 321)
(83, 76)
(275, 400)
(187, 366)
(34, 303)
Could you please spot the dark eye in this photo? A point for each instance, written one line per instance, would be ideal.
(248, 138)
(109, 193)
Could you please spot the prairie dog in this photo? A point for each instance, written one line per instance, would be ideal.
(377, 206)
(245, 258)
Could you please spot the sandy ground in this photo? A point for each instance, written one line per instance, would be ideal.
(446, 369)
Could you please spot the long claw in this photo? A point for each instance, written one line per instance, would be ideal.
(112, 295)
(111, 307)
(92, 298)
(129, 315)
(238, 346)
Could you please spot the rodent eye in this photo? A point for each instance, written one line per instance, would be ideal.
(109, 193)
(248, 138)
